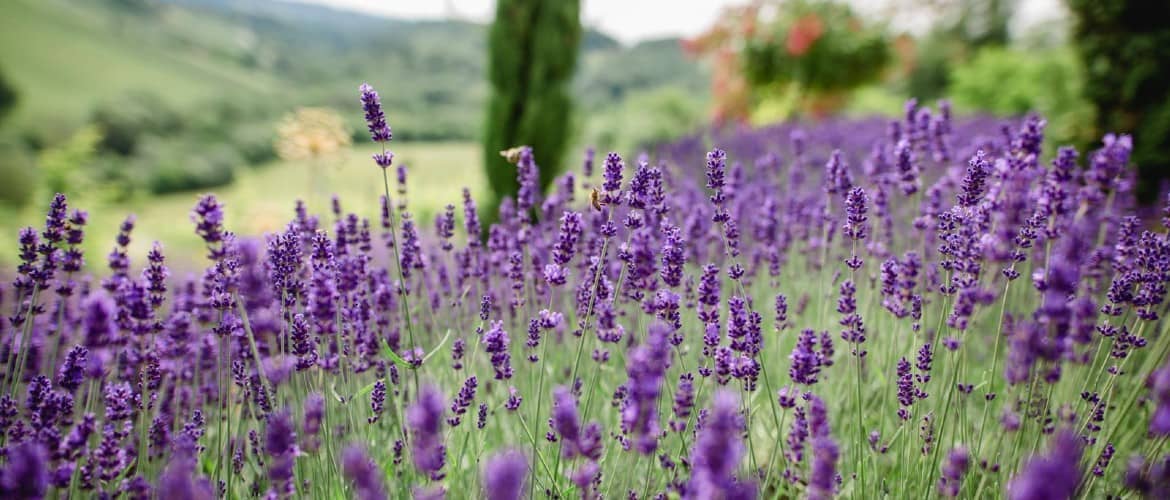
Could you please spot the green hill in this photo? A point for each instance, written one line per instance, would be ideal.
(194, 89)
(64, 58)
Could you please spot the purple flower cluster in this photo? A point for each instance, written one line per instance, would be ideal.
(250, 377)
(718, 450)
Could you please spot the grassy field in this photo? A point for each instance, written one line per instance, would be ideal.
(261, 200)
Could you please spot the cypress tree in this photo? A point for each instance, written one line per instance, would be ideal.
(533, 46)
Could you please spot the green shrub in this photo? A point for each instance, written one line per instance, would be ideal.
(1010, 82)
(254, 142)
(172, 166)
(645, 119)
(126, 120)
(66, 168)
(18, 173)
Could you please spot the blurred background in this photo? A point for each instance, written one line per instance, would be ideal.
(136, 106)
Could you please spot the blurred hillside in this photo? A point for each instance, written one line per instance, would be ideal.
(65, 57)
(137, 105)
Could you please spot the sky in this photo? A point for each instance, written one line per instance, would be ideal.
(631, 21)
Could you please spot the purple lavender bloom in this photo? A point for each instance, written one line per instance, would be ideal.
(314, 416)
(208, 218)
(437, 492)
(612, 187)
(584, 477)
(410, 256)
(383, 159)
(458, 349)
(280, 445)
(854, 332)
(786, 397)
(180, 481)
(856, 223)
(27, 277)
(818, 416)
(781, 312)
(445, 228)
(806, 359)
(822, 475)
(709, 288)
(471, 219)
(906, 390)
(463, 401)
(496, 343)
(837, 177)
(907, 168)
(1104, 460)
(646, 367)
(975, 182)
(739, 326)
(121, 402)
(425, 420)
(953, 469)
(377, 401)
(26, 474)
(716, 182)
(566, 421)
(505, 475)
(684, 402)
(1054, 475)
(1159, 384)
(717, 453)
(514, 399)
(375, 118)
(55, 220)
(587, 163)
(528, 179)
(366, 477)
(155, 275)
(72, 371)
(562, 252)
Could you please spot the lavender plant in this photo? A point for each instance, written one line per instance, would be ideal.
(951, 314)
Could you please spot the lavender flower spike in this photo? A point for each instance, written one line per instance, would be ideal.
(717, 453)
(425, 420)
(505, 475)
(366, 477)
(1055, 475)
(26, 475)
(375, 118)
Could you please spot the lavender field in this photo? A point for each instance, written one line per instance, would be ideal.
(928, 306)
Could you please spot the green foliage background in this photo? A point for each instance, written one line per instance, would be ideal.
(1124, 46)
(1009, 82)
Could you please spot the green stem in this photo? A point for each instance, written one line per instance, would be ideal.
(405, 304)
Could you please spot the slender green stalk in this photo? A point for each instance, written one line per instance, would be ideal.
(403, 285)
(537, 407)
(18, 368)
